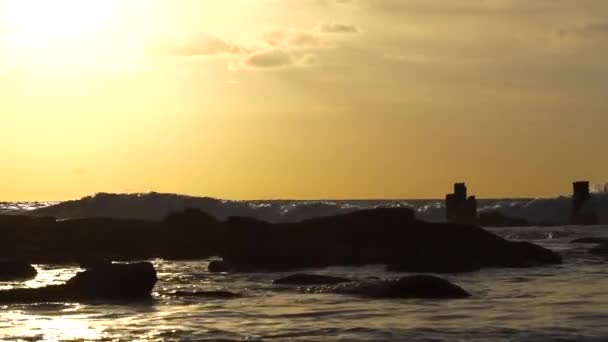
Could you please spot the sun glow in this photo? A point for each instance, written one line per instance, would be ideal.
(71, 36)
(42, 23)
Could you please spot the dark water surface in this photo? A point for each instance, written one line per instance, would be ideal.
(567, 302)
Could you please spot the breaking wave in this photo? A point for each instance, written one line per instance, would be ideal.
(156, 206)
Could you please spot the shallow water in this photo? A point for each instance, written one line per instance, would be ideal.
(567, 302)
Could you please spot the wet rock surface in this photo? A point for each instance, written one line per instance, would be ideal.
(109, 282)
(417, 286)
(11, 270)
(310, 279)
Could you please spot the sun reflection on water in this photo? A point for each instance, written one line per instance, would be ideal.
(50, 328)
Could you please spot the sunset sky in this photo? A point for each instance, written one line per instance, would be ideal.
(258, 99)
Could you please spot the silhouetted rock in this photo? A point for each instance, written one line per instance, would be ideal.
(381, 236)
(218, 266)
(207, 294)
(16, 270)
(191, 235)
(580, 215)
(91, 263)
(310, 279)
(600, 249)
(460, 208)
(590, 240)
(527, 254)
(497, 219)
(388, 236)
(437, 261)
(110, 282)
(417, 286)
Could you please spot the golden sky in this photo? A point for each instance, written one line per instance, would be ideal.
(248, 99)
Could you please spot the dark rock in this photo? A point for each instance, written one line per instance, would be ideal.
(527, 254)
(218, 266)
(310, 279)
(600, 249)
(437, 262)
(109, 282)
(389, 236)
(16, 270)
(91, 263)
(460, 208)
(207, 294)
(497, 219)
(580, 197)
(417, 286)
(590, 240)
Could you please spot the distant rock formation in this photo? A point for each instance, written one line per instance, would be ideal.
(109, 282)
(591, 240)
(11, 270)
(207, 294)
(417, 286)
(601, 249)
(459, 207)
(580, 214)
(381, 236)
(497, 219)
(310, 279)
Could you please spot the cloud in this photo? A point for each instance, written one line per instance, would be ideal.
(270, 59)
(278, 48)
(321, 36)
(304, 39)
(338, 28)
(588, 31)
(199, 44)
(274, 58)
(292, 38)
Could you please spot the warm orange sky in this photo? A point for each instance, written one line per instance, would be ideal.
(252, 99)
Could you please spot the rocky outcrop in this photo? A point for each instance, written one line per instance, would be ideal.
(16, 270)
(310, 279)
(110, 282)
(601, 249)
(382, 236)
(417, 286)
(188, 235)
(460, 208)
(581, 215)
(207, 294)
(437, 262)
(590, 240)
(219, 266)
(497, 219)
(92, 263)
(389, 236)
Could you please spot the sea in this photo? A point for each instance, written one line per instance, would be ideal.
(567, 302)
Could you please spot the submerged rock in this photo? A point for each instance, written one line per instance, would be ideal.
(498, 219)
(417, 286)
(109, 282)
(92, 263)
(600, 249)
(437, 262)
(310, 279)
(218, 266)
(590, 240)
(16, 270)
(207, 294)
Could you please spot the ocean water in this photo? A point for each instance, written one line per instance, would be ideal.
(156, 206)
(567, 302)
